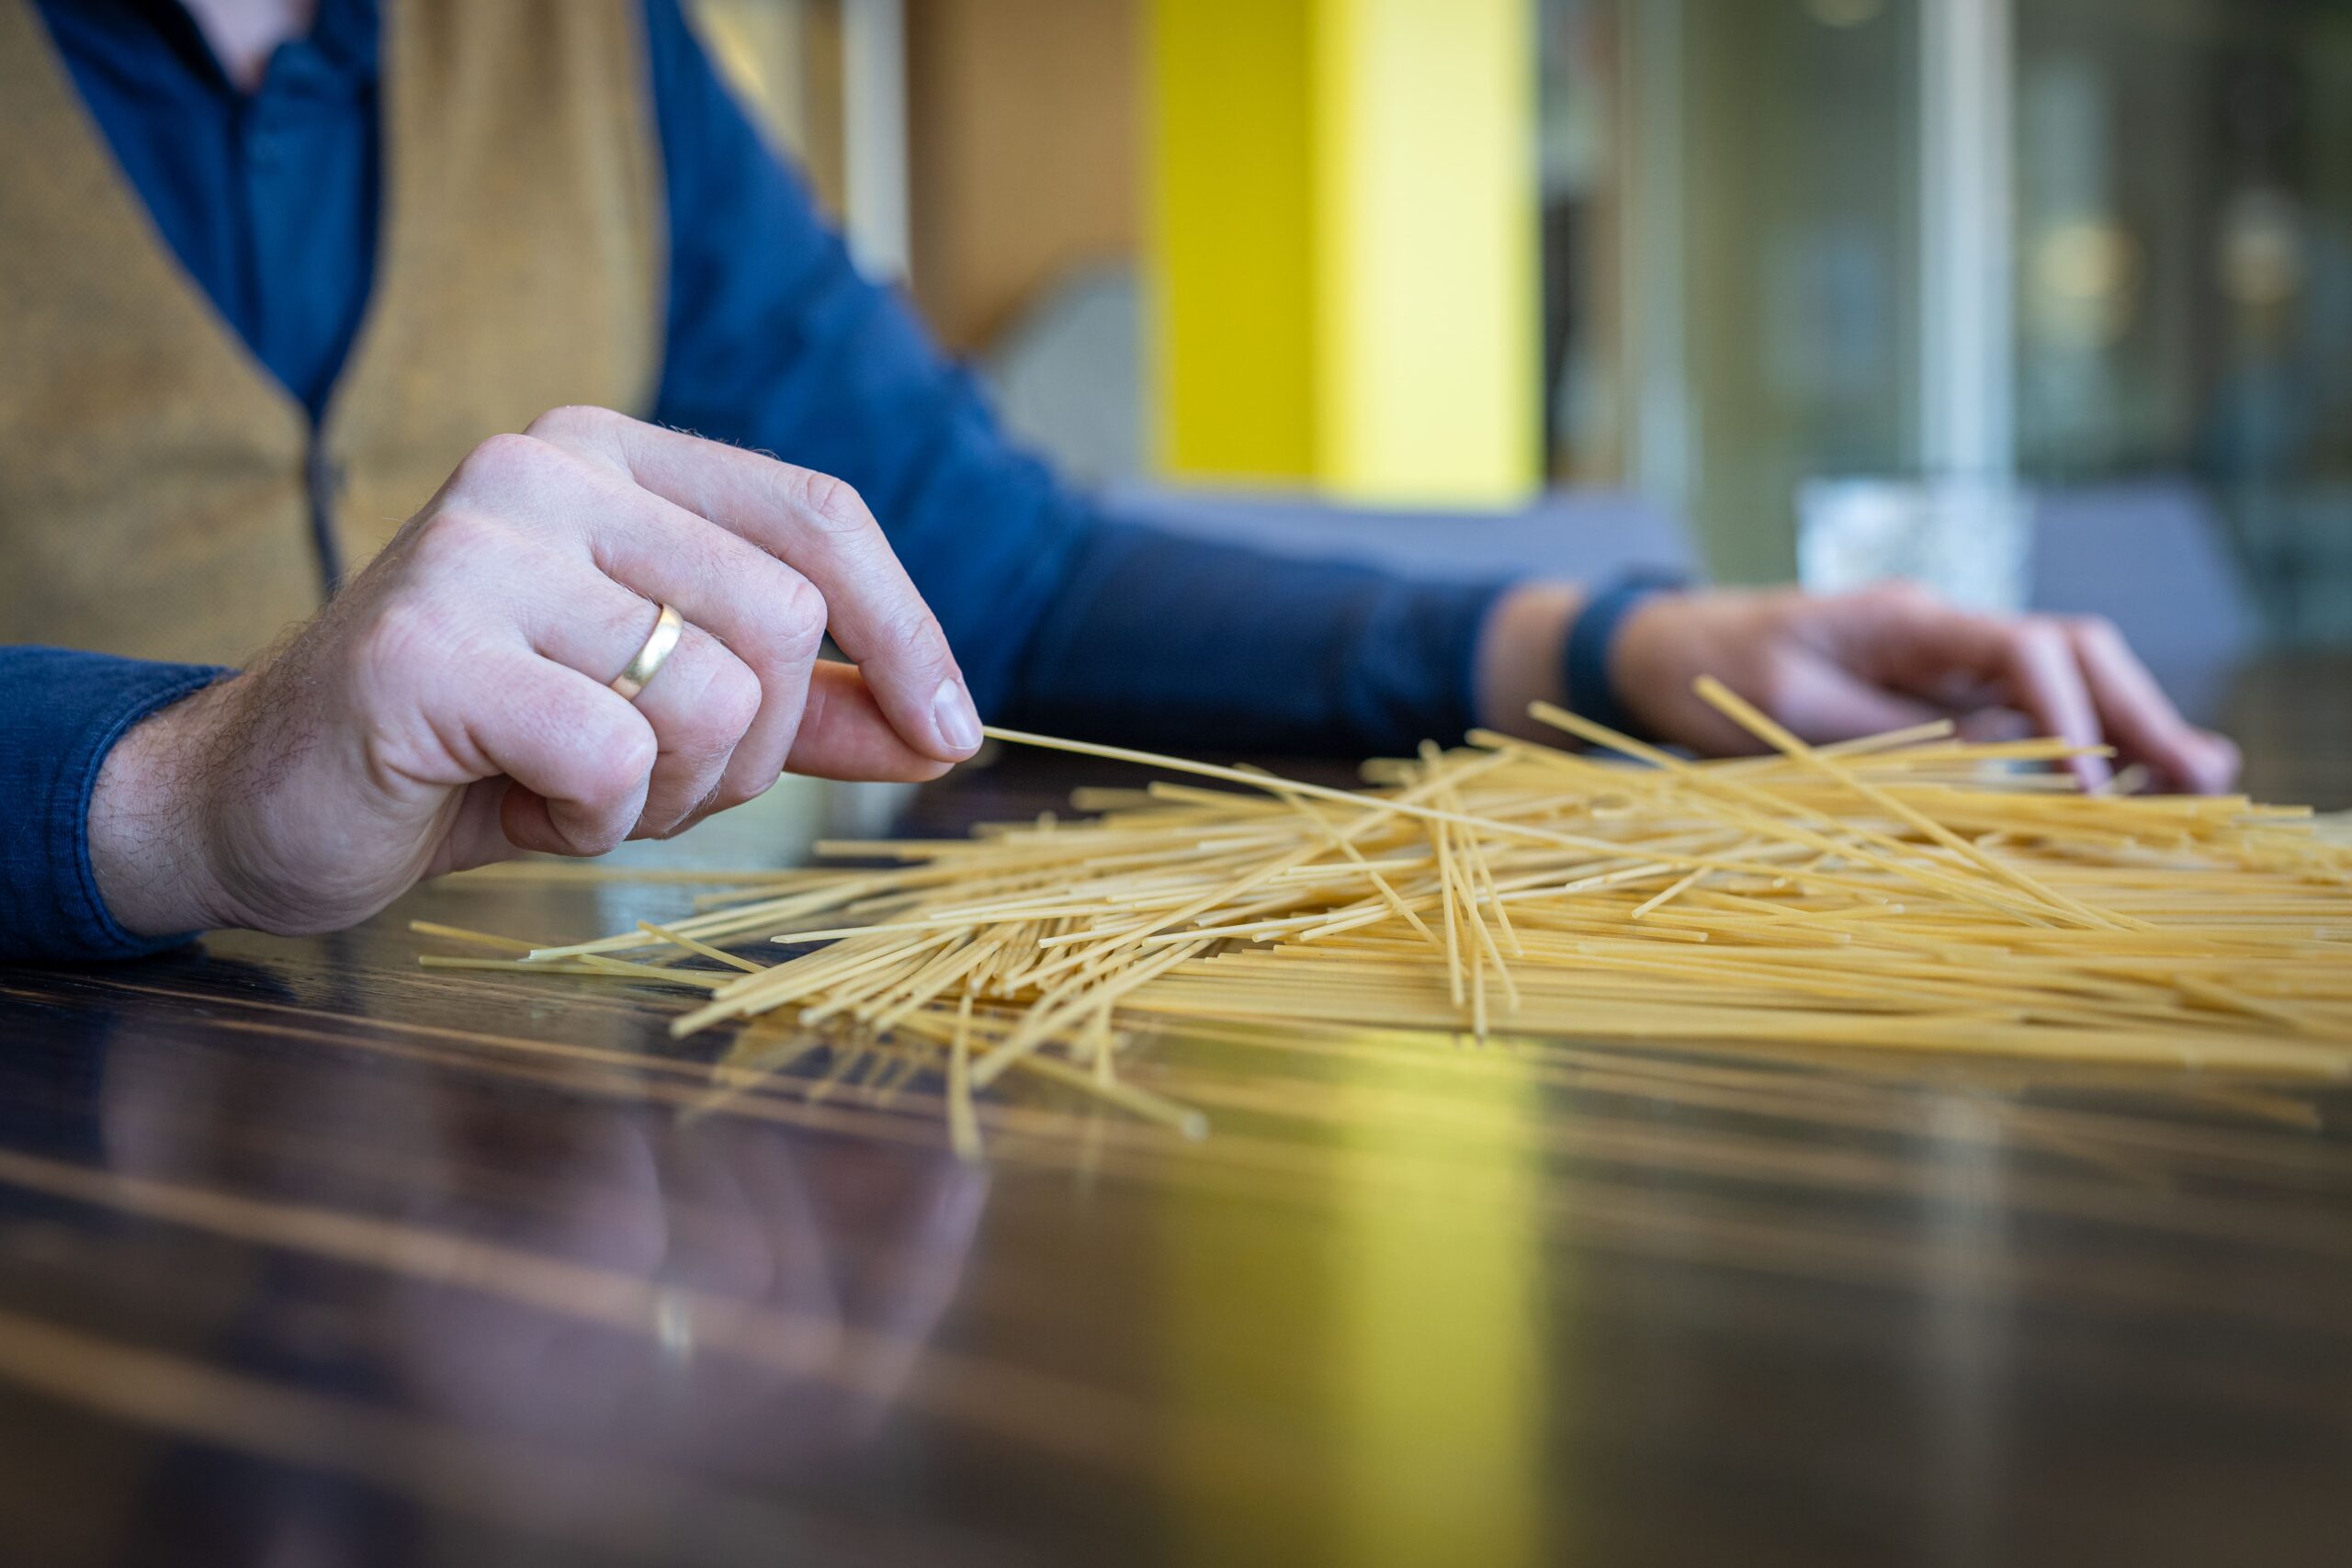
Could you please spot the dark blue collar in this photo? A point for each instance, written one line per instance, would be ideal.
(340, 56)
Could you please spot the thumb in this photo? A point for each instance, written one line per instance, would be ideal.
(844, 734)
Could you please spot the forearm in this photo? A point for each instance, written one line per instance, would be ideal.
(1180, 643)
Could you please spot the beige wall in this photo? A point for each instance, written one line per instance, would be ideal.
(1024, 151)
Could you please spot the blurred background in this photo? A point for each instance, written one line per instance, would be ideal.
(2048, 301)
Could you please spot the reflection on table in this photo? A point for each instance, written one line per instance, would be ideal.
(315, 1257)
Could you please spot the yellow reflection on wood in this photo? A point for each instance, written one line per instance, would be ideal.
(1442, 1374)
(1401, 1357)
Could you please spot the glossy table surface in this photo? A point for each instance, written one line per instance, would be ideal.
(309, 1256)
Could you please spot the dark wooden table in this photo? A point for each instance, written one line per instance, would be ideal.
(309, 1257)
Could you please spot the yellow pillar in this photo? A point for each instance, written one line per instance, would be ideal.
(1343, 246)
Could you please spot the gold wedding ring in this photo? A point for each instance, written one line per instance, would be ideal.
(668, 627)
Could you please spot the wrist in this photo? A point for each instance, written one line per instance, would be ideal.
(1519, 654)
(150, 823)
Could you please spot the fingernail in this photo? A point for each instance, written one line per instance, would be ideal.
(959, 725)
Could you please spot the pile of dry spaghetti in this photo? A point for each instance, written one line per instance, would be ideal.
(1909, 892)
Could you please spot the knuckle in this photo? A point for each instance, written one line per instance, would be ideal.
(614, 770)
(2096, 629)
(733, 699)
(833, 504)
(733, 792)
(911, 626)
(501, 459)
(912, 632)
(458, 539)
(572, 419)
(799, 617)
(403, 636)
(715, 710)
(2039, 636)
(717, 798)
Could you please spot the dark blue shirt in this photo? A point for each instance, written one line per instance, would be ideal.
(1063, 620)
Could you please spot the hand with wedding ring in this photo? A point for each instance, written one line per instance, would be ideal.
(597, 630)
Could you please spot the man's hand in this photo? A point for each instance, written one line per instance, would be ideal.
(452, 705)
(1834, 667)
(1837, 666)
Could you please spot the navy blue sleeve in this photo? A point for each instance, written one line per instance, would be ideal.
(1062, 619)
(59, 714)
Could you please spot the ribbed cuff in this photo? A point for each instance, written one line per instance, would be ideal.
(1592, 692)
(61, 714)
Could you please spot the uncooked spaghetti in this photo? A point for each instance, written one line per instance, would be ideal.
(1910, 892)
